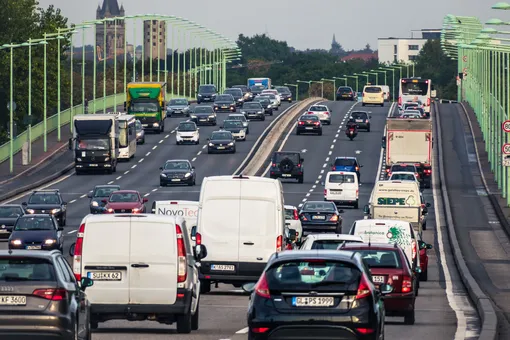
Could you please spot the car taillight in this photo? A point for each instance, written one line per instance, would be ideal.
(316, 123)
(366, 121)
(334, 218)
(279, 243)
(262, 288)
(417, 175)
(428, 101)
(407, 284)
(309, 113)
(259, 330)
(357, 193)
(273, 165)
(52, 294)
(399, 100)
(422, 205)
(357, 168)
(333, 168)
(110, 211)
(182, 262)
(326, 112)
(198, 239)
(299, 165)
(295, 215)
(78, 249)
(363, 95)
(365, 330)
(363, 288)
(303, 217)
(414, 249)
(325, 192)
(301, 123)
(388, 170)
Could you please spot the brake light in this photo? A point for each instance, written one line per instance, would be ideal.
(428, 101)
(198, 239)
(262, 288)
(357, 168)
(295, 215)
(365, 330)
(182, 262)
(273, 165)
(299, 165)
(52, 294)
(417, 175)
(399, 100)
(259, 329)
(414, 249)
(325, 192)
(334, 218)
(301, 123)
(316, 123)
(357, 193)
(388, 170)
(78, 249)
(407, 285)
(279, 243)
(326, 112)
(363, 288)
(363, 95)
(422, 205)
(309, 113)
(333, 168)
(366, 121)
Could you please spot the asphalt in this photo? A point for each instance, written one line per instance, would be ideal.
(482, 240)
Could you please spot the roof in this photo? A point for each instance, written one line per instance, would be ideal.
(365, 56)
(346, 157)
(178, 160)
(110, 6)
(369, 246)
(316, 254)
(342, 237)
(11, 205)
(35, 215)
(289, 207)
(127, 191)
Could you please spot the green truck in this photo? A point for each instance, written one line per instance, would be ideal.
(146, 101)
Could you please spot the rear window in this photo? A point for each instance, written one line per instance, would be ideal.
(309, 117)
(328, 244)
(206, 89)
(105, 192)
(305, 275)
(403, 168)
(403, 177)
(345, 162)
(341, 178)
(318, 108)
(373, 89)
(344, 90)
(359, 115)
(26, 269)
(289, 214)
(381, 258)
(278, 157)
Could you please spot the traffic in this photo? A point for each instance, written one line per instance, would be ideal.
(161, 228)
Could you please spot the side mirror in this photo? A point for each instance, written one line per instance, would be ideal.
(249, 287)
(429, 246)
(322, 183)
(221, 127)
(417, 270)
(60, 228)
(208, 139)
(366, 209)
(193, 167)
(201, 252)
(89, 195)
(292, 234)
(370, 117)
(193, 233)
(427, 205)
(86, 282)
(104, 201)
(70, 144)
(385, 289)
(341, 211)
(160, 168)
(71, 249)
(64, 203)
(361, 166)
(145, 200)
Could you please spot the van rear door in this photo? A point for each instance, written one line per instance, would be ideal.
(153, 261)
(342, 186)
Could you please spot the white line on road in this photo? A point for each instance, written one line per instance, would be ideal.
(72, 231)
(146, 195)
(141, 160)
(147, 154)
(126, 172)
(161, 141)
(111, 182)
(134, 166)
(83, 196)
(167, 136)
(154, 189)
(194, 159)
(198, 154)
(154, 147)
(243, 331)
(72, 201)
(118, 178)
(203, 147)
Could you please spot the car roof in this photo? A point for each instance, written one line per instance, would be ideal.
(177, 160)
(403, 172)
(285, 152)
(106, 186)
(325, 202)
(35, 215)
(289, 207)
(127, 192)
(375, 246)
(338, 255)
(346, 158)
(42, 254)
(11, 205)
(186, 99)
(333, 237)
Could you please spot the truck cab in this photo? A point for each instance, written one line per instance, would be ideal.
(146, 101)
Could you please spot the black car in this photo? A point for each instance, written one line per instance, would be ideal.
(287, 164)
(257, 89)
(362, 119)
(221, 141)
(316, 295)
(309, 124)
(319, 216)
(248, 96)
(253, 110)
(177, 171)
(224, 103)
(97, 196)
(204, 115)
(41, 298)
(47, 202)
(285, 94)
(266, 104)
(346, 93)
(9, 213)
(37, 232)
(237, 94)
(206, 93)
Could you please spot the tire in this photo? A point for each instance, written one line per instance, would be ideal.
(94, 324)
(424, 275)
(362, 104)
(298, 133)
(197, 142)
(409, 318)
(300, 180)
(234, 150)
(191, 183)
(195, 318)
(177, 143)
(205, 286)
(368, 129)
(382, 105)
(320, 133)
(351, 138)
(161, 184)
(184, 323)
(263, 118)
(356, 205)
(271, 113)
(424, 226)
(247, 131)
(115, 168)
(64, 221)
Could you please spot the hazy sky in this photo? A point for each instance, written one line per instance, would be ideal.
(303, 24)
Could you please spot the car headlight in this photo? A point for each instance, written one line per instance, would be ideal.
(136, 210)
(211, 116)
(78, 159)
(187, 174)
(269, 106)
(163, 175)
(54, 211)
(259, 112)
(107, 159)
(30, 211)
(155, 125)
(138, 134)
(16, 242)
(231, 144)
(94, 204)
(245, 124)
(200, 95)
(211, 144)
(49, 242)
(243, 112)
(240, 100)
(193, 116)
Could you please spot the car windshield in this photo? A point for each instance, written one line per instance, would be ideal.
(316, 274)
(345, 162)
(270, 95)
(359, 115)
(241, 87)
(224, 98)
(92, 144)
(177, 166)
(264, 101)
(44, 198)
(124, 197)
(278, 157)
(206, 89)
(21, 268)
(187, 127)
(35, 223)
(289, 214)
(320, 206)
(221, 136)
(403, 168)
(232, 124)
(373, 89)
(380, 258)
(309, 117)
(329, 244)
(203, 109)
(178, 102)
(234, 92)
(10, 212)
(284, 90)
(403, 177)
(241, 118)
(318, 108)
(105, 192)
(337, 178)
(344, 90)
(418, 89)
(143, 107)
(252, 106)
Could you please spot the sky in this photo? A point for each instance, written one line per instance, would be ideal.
(302, 24)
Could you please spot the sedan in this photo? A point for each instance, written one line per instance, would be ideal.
(9, 213)
(236, 128)
(362, 119)
(269, 92)
(266, 104)
(309, 124)
(322, 111)
(204, 115)
(404, 176)
(140, 133)
(97, 196)
(319, 216)
(37, 232)
(272, 99)
(253, 110)
(237, 94)
(221, 141)
(225, 103)
(242, 119)
(178, 106)
(177, 172)
(284, 93)
(125, 201)
(345, 93)
(315, 295)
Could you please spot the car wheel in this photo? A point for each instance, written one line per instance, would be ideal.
(234, 151)
(161, 184)
(177, 142)
(424, 275)
(192, 183)
(214, 124)
(301, 179)
(184, 322)
(94, 324)
(368, 128)
(362, 104)
(143, 140)
(409, 318)
(424, 226)
(247, 131)
(263, 118)
(320, 133)
(195, 318)
(271, 113)
(356, 205)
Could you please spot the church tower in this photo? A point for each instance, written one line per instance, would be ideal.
(110, 9)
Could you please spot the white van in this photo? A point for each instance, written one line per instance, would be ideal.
(188, 210)
(389, 231)
(342, 188)
(143, 267)
(386, 92)
(241, 223)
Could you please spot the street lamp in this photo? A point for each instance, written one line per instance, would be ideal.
(297, 89)
(393, 82)
(362, 75)
(384, 71)
(334, 86)
(376, 76)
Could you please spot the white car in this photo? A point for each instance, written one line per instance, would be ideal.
(276, 94)
(241, 117)
(403, 176)
(292, 221)
(236, 128)
(322, 111)
(187, 133)
(328, 241)
(272, 98)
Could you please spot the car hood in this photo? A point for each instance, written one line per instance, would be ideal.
(7, 221)
(234, 130)
(43, 206)
(175, 172)
(123, 205)
(201, 114)
(186, 133)
(220, 141)
(207, 93)
(252, 110)
(33, 235)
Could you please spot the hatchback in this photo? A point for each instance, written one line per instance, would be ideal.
(309, 124)
(347, 164)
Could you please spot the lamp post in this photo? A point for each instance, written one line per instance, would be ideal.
(362, 75)
(305, 82)
(334, 86)
(355, 77)
(393, 81)
(383, 71)
(297, 89)
(374, 74)
(344, 78)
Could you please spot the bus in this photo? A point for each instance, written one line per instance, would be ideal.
(416, 89)
(127, 136)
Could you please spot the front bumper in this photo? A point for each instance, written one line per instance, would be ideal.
(224, 109)
(169, 113)
(186, 139)
(54, 246)
(220, 149)
(175, 181)
(93, 166)
(259, 116)
(204, 120)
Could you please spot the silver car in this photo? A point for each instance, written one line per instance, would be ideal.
(322, 111)
(178, 106)
(241, 117)
(272, 98)
(140, 133)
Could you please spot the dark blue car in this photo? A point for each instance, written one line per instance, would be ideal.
(347, 164)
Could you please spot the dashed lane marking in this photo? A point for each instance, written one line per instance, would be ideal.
(167, 136)
(118, 178)
(72, 231)
(194, 159)
(72, 201)
(111, 182)
(242, 331)
(154, 190)
(126, 172)
(134, 166)
(147, 154)
(200, 152)
(83, 196)
(146, 195)
(154, 147)
(161, 141)
(203, 147)
(141, 160)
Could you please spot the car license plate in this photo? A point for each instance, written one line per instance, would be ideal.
(13, 300)
(145, 125)
(378, 279)
(33, 247)
(93, 165)
(318, 217)
(3, 231)
(203, 120)
(177, 111)
(359, 120)
(309, 128)
(207, 99)
(223, 267)
(336, 191)
(176, 180)
(224, 107)
(221, 147)
(345, 95)
(286, 175)
(105, 276)
(315, 301)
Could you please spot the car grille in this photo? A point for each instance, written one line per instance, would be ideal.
(120, 211)
(40, 211)
(175, 176)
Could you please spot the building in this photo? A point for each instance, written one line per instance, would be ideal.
(365, 56)
(114, 46)
(404, 50)
(154, 32)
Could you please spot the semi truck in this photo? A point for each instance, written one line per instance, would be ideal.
(146, 101)
(95, 142)
(410, 141)
(266, 82)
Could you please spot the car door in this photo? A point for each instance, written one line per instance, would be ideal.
(60, 233)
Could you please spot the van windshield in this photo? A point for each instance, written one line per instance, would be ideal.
(344, 162)
(373, 89)
(341, 178)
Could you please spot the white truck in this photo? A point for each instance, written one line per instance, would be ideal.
(188, 210)
(410, 141)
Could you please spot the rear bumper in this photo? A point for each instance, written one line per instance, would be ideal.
(37, 327)
(310, 129)
(324, 226)
(398, 304)
(279, 174)
(92, 166)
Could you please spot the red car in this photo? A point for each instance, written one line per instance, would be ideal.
(125, 201)
(389, 265)
(424, 258)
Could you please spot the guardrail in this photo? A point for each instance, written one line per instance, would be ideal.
(52, 123)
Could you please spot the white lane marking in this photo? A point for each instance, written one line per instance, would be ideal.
(118, 178)
(203, 147)
(322, 171)
(281, 147)
(320, 176)
(134, 166)
(154, 190)
(332, 146)
(161, 141)
(317, 182)
(167, 136)
(311, 190)
(72, 231)
(330, 153)
(198, 154)
(307, 195)
(141, 160)
(334, 141)
(314, 186)
(324, 165)
(111, 182)
(72, 201)
(154, 147)
(146, 195)
(304, 200)
(83, 196)
(243, 331)
(194, 159)
(126, 172)
(336, 136)
(147, 154)
(327, 159)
